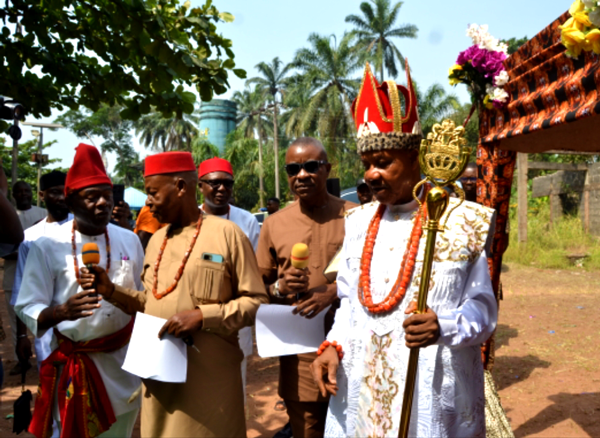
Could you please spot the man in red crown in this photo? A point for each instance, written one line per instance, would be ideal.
(200, 274)
(363, 362)
(82, 385)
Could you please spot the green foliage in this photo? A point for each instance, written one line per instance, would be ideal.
(548, 244)
(242, 153)
(134, 53)
(434, 105)
(162, 134)
(472, 129)
(375, 29)
(203, 150)
(28, 171)
(107, 123)
(514, 44)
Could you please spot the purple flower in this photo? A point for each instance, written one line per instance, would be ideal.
(498, 105)
(489, 63)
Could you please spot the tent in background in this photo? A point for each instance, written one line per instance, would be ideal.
(135, 198)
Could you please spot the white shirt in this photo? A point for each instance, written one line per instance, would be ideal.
(449, 398)
(28, 218)
(49, 280)
(249, 225)
(245, 220)
(41, 229)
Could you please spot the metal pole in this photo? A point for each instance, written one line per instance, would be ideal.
(261, 183)
(15, 159)
(40, 147)
(276, 148)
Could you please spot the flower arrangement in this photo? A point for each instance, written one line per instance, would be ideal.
(481, 67)
(580, 32)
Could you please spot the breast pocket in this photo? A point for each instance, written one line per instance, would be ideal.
(122, 273)
(209, 288)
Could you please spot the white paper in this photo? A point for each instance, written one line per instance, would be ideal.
(149, 357)
(280, 333)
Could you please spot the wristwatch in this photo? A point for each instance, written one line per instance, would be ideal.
(276, 293)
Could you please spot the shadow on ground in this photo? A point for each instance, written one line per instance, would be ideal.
(583, 409)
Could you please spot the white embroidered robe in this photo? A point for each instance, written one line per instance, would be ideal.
(449, 396)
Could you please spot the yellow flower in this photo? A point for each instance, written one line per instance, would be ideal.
(583, 19)
(487, 102)
(576, 7)
(452, 72)
(593, 40)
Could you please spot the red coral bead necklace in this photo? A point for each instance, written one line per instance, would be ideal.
(172, 287)
(406, 268)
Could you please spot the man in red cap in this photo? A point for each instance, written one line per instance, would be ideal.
(90, 336)
(216, 185)
(202, 277)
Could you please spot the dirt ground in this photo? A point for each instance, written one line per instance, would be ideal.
(546, 360)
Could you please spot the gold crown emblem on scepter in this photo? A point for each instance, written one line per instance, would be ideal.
(443, 157)
(444, 154)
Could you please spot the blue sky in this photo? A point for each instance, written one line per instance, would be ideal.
(264, 29)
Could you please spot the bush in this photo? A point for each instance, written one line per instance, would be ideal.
(548, 244)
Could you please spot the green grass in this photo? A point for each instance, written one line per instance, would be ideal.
(548, 244)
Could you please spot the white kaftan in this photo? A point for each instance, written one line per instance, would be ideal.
(449, 397)
(49, 280)
(41, 229)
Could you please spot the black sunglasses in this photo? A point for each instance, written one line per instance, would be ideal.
(311, 166)
(216, 183)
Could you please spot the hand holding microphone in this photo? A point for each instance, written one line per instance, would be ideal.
(295, 278)
(90, 255)
(93, 276)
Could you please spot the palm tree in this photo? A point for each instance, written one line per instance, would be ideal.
(164, 134)
(328, 66)
(251, 119)
(376, 28)
(435, 105)
(273, 83)
(297, 101)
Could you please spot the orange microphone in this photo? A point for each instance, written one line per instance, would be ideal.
(300, 256)
(90, 254)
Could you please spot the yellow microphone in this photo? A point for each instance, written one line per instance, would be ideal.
(90, 255)
(300, 256)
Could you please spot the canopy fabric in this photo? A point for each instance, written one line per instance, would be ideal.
(135, 198)
(555, 100)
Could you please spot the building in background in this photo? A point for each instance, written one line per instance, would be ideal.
(218, 116)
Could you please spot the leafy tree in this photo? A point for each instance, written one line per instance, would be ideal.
(375, 29)
(162, 134)
(252, 119)
(328, 66)
(297, 102)
(459, 116)
(271, 83)
(137, 54)
(28, 171)
(434, 105)
(115, 133)
(203, 150)
(515, 43)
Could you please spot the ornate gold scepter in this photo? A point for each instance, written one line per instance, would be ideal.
(443, 157)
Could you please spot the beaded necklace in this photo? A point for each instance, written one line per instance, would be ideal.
(171, 288)
(74, 250)
(406, 268)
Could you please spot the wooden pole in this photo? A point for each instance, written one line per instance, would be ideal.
(522, 196)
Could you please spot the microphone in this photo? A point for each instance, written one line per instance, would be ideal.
(300, 255)
(299, 258)
(90, 254)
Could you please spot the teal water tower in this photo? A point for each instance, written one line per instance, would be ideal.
(218, 116)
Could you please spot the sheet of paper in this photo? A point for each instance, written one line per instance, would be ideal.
(152, 358)
(281, 333)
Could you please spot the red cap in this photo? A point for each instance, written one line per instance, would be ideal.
(169, 162)
(215, 164)
(87, 169)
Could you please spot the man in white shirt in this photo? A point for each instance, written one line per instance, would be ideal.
(90, 335)
(52, 193)
(216, 184)
(28, 215)
(365, 357)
